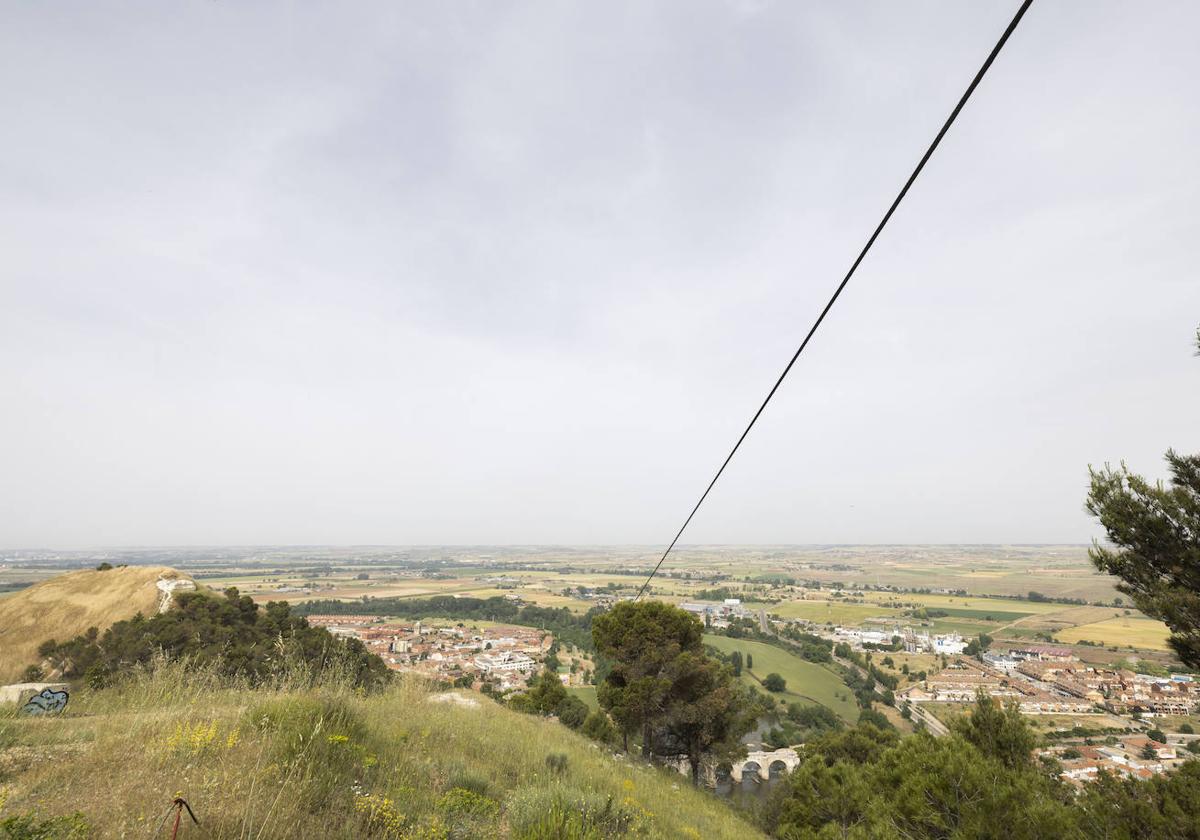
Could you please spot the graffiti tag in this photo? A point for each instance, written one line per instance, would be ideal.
(46, 703)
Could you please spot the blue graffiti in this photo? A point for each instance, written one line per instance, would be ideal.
(47, 703)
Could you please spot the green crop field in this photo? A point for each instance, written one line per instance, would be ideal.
(806, 681)
(986, 615)
(961, 626)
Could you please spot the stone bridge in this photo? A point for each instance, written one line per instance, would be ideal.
(763, 764)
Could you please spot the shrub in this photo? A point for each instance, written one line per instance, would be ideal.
(557, 763)
(463, 803)
(563, 813)
(469, 781)
(30, 827)
(572, 711)
(599, 728)
(774, 682)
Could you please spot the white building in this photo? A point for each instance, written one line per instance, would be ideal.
(951, 645)
(504, 661)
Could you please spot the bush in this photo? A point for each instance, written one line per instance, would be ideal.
(774, 682)
(30, 827)
(572, 711)
(557, 763)
(599, 728)
(467, 804)
(564, 813)
(469, 781)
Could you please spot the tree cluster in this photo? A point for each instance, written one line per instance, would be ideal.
(231, 633)
(547, 696)
(979, 782)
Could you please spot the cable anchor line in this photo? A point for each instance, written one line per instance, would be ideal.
(853, 268)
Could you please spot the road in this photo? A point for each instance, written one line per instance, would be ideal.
(935, 727)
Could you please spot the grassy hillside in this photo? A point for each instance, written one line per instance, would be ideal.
(66, 605)
(327, 762)
(807, 682)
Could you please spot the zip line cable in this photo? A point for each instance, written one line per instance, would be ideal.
(854, 267)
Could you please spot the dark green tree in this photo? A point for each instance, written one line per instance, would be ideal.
(735, 661)
(1155, 531)
(774, 682)
(875, 718)
(641, 639)
(571, 711)
(707, 713)
(998, 732)
(819, 718)
(543, 696)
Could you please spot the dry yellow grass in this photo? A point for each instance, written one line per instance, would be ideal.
(1126, 631)
(67, 605)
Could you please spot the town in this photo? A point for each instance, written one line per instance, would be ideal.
(500, 658)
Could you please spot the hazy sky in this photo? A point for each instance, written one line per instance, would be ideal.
(507, 272)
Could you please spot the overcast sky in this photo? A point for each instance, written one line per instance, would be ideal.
(507, 272)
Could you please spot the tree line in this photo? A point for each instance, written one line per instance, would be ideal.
(981, 781)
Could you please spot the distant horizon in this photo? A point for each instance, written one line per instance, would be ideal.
(641, 546)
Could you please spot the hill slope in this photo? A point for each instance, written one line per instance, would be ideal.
(807, 682)
(330, 762)
(65, 606)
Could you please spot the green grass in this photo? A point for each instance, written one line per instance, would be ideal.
(324, 761)
(807, 682)
(961, 626)
(586, 693)
(987, 615)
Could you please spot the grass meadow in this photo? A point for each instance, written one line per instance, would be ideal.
(807, 682)
(322, 761)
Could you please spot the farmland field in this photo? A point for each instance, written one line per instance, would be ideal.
(807, 682)
(1127, 631)
(832, 611)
